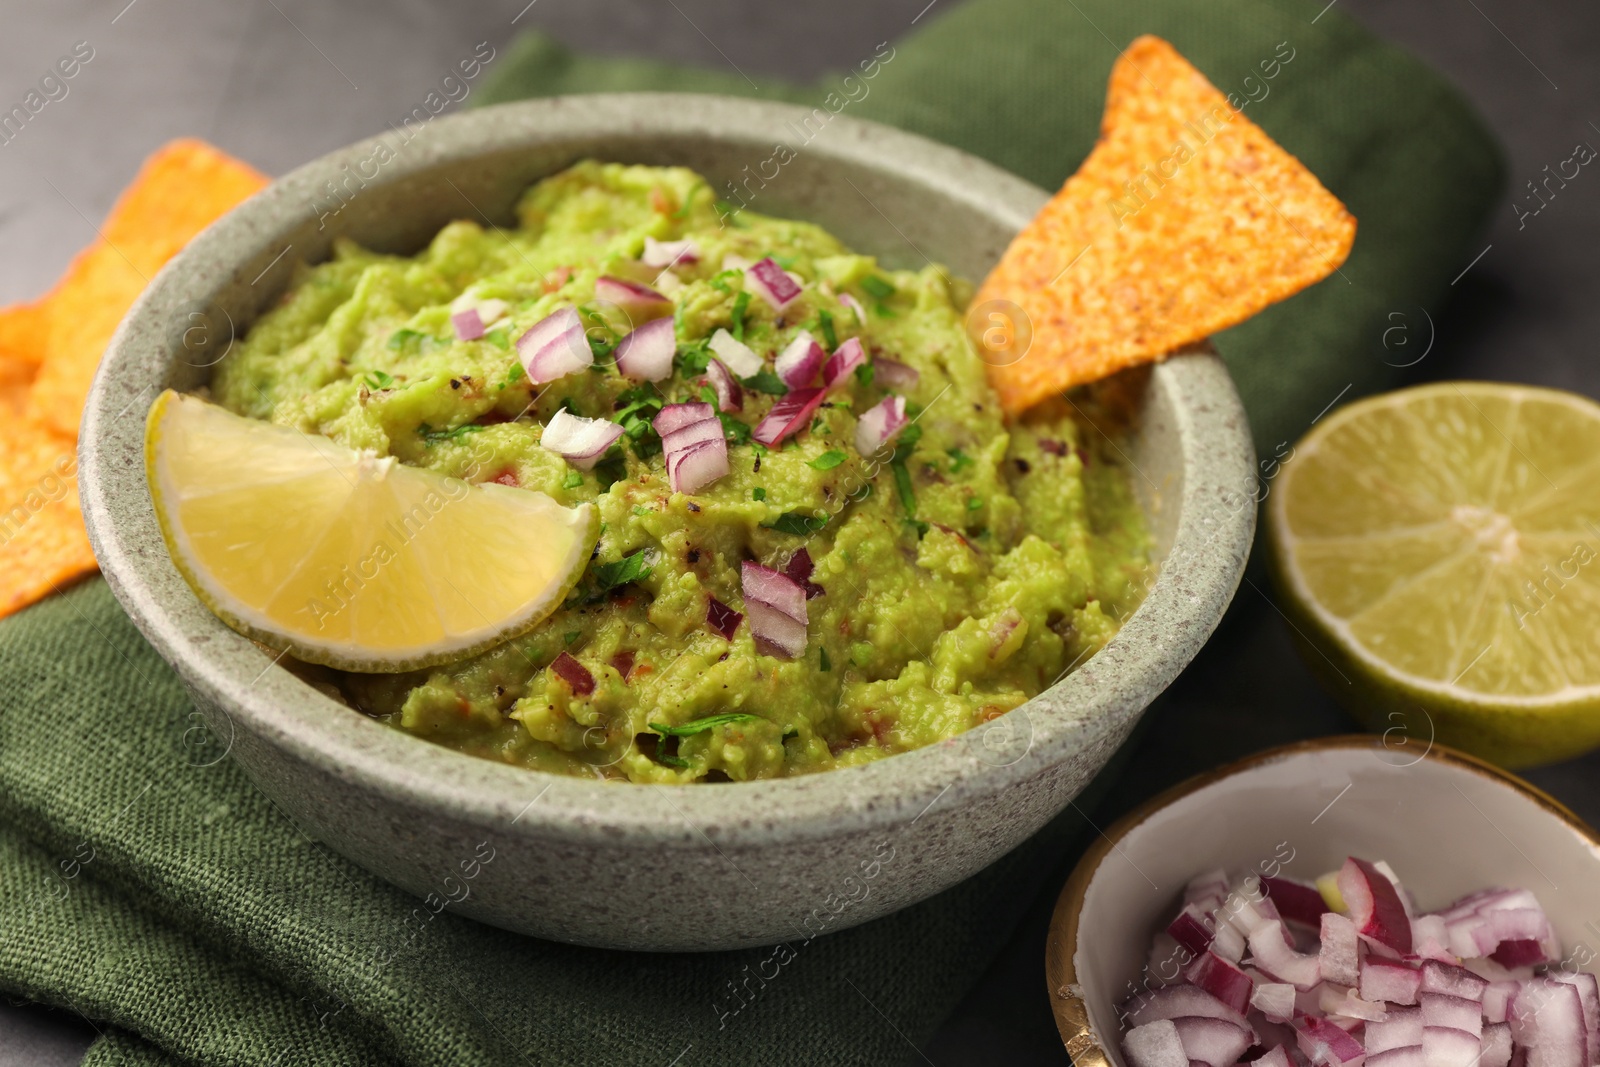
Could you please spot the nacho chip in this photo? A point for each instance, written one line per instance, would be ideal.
(181, 189)
(1185, 219)
(43, 545)
(24, 332)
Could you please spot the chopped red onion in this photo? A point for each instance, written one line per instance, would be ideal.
(1336, 1000)
(1275, 955)
(797, 365)
(722, 619)
(1275, 1000)
(1519, 954)
(892, 374)
(575, 674)
(646, 353)
(790, 414)
(1326, 1045)
(1192, 929)
(855, 307)
(676, 416)
(1455, 981)
(1221, 979)
(730, 396)
(579, 440)
(736, 354)
(669, 253)
(1296, 901)
(1276, 1056)
(1340, 955)
(799, 568)
(1214, 1042)
(695, 433)
(696, 466)
(554, 347)
(468, 326)
(776, 605)
(1178, 1002)
(1155, 1044)
(630, 296)
(1546, 1017)
(881, 424)
(846, 358)
(1374, 904)
(1389, 980)
(1496, 1046)
(770, 280)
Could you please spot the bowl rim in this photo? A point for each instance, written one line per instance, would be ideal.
(1092, 708)
(1067, 1003)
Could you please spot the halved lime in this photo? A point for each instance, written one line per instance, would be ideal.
(349, 559)
(1440, 549)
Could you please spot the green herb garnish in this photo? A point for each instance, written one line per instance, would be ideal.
(433, 437)
(501, 340)
(793, 522)
(828, 460)
(700, 726)
(758, 493)
(765, 381)
(378, 380)
(572, 480)
(735, 431)
(407, 339)
(877, 287)
(975, 503)
(741, 304)
(570, 636)
(865, 374)
(827, 664)
(676, 762)
(825, 324)
(959, 460)
(630, 568)
(903, 488)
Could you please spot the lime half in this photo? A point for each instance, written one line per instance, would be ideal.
(1440, 549)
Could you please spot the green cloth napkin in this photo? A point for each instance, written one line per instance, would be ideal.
(161, 895)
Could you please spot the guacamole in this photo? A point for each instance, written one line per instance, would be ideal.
(949, 576)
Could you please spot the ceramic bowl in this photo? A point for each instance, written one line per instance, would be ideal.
(668, 868)
(1447, 822)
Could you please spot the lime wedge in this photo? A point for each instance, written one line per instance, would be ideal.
(348, 559)
(1438, 547)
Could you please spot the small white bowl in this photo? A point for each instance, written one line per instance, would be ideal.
(1447, 822)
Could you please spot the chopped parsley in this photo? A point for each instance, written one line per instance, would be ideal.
(688, 201)
(786, 262)
(677, 762)
(793, 522)
(501, 340)
(700, 726)
(719, 281)
(571, 636)
(378, 380)
(827, 664)
(572, 480)
(758, 493)
(825, 324)
(630, 568)
(828, 460)
(765, 381)
(959, 460)
(640, 509)
(735, 431)
(877, 287)
(741, 304)
(432, 437)
(694, 357)
(975, 503)
(865, 374)
(407, 340)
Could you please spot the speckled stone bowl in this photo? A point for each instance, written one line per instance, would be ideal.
(627, 866)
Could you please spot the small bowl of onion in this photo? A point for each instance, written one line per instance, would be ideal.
(1342, 902)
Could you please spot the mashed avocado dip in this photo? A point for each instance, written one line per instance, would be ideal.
(954, 572)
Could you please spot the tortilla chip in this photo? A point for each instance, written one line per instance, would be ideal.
(181, 189)
(43, 545)
(24, 332)
(1185, 219)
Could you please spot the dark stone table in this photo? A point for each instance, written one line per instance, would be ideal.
(279, 82)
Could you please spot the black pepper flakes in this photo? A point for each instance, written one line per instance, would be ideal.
(1022, 465)
(694, 507)
(455, 383)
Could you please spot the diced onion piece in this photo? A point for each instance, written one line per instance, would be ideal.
(1276, 1056)
(1273, 953)
(1456, 1013)
(697, 466)
(1327, 1045)
(468, 325)
(797, 365)
(554, 347)
(1178, 1002)
(730, 395)
(1335, 1000)
(736, 354)
(892, 374)
(1389, 980)
(1155, 1044)
(1399, 1028)
(1296, 901)
(1275, 1000)
(790, 414)
(723, 620)
(580, 441)
(799, 568)
(855, 307)
(646, 353)
(879, 425)
(695, 433)
(1443, 1046)
(1215, 1042)
(1440, 977)
(669, 253)
(1221, 979)
(1192, 927)
(770, 280)
(1496, 1046)
(676, 416)
(846, 358)
(1340, 955)
(776, 605)
(1547, 1016)
(1374, 905)
(575, 674)
(630, 296)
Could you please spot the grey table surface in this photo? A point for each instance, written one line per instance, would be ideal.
(279, 82)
